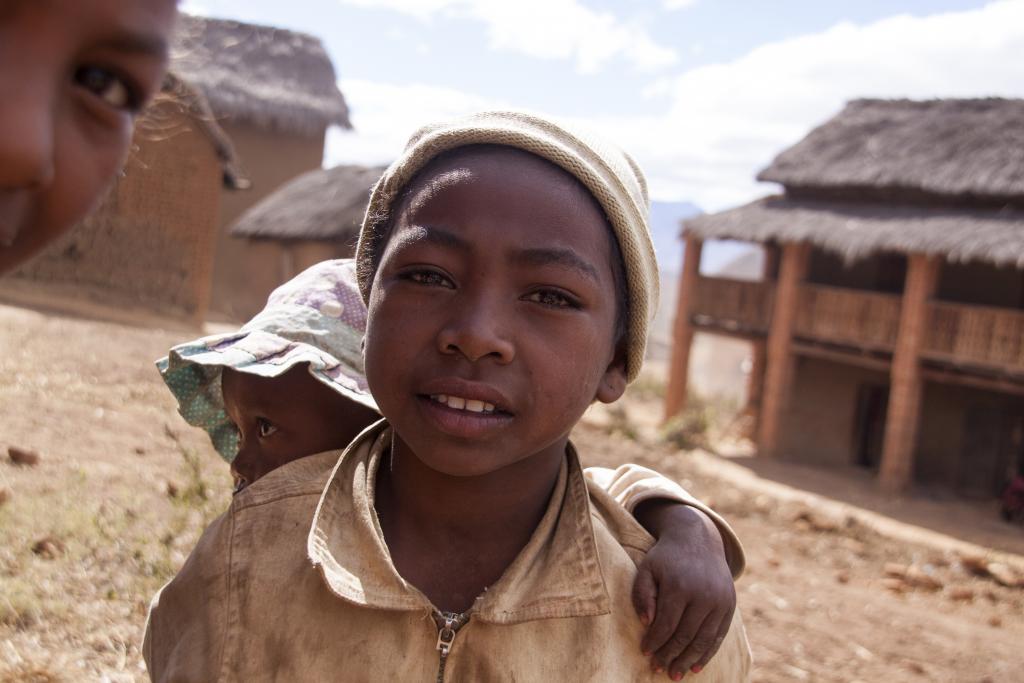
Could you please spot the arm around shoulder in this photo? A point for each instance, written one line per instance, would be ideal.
(188, 618)
(630, 485)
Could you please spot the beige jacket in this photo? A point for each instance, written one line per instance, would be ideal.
(264, 597)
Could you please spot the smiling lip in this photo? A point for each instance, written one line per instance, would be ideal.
(455, 388)
(464, 409)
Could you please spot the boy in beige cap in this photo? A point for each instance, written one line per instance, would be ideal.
(509, 278)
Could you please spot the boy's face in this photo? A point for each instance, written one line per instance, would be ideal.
(492, 312)
(284, 418)
(74, 74)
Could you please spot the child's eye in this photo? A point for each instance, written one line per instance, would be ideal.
(265, 427)
(551, 298)
(429, 277)
(112, 89)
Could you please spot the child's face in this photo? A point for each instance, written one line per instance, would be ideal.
(74, 74)
(284, 418)
(492, 313)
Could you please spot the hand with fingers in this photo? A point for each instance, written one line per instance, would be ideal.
(684, 591)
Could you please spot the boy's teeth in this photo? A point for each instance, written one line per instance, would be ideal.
(472, 405)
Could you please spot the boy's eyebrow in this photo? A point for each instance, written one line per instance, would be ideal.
(430, 235)
(566, 258)
(540, 256)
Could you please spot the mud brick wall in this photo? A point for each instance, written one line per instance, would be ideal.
(150, 244)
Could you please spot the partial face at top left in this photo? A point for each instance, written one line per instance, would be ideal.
(74, 75)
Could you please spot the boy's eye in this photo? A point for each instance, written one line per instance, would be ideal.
(429, 277)
(112, 89)
(265, 427)
(551, 298)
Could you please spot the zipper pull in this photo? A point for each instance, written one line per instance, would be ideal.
(446, 634)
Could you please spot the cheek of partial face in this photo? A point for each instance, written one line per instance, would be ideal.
(86, 166)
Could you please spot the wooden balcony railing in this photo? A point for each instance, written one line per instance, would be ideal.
(980, 335)
(984, 336)
(846, 316)
(734, 305)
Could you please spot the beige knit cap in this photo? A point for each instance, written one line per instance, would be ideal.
(610, 174)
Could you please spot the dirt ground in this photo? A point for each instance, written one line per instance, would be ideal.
(123, 488)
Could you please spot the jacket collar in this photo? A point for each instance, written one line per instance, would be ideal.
(557, 574)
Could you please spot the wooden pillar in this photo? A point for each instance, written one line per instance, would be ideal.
(682, 331)
(759, 348)
(905, 384)
(779, 351)
(755, 385)
(770, 267)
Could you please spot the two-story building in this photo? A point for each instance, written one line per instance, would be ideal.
(888, 326)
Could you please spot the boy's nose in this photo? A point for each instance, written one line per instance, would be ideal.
(477, 332)
(26, 135)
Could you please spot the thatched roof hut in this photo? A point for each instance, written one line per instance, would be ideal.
(321, 205)
(270, 77)
(937, 177)
(855, 230)
(957, 150)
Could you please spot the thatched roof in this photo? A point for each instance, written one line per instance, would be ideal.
(855, 230)
(956, 149)
(269, 77)
(325, 204)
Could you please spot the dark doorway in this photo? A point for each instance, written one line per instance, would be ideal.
(991, 450)
(869, 424)
(992, 443)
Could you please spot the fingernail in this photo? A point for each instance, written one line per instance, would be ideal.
(677, 677)
(645, 620)
(696, 668)
(658, 669)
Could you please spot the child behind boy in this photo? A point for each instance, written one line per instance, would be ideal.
(500, 307)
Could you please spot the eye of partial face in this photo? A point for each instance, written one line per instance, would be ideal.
(112, 89)
(265, 427)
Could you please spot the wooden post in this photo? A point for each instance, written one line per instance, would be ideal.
(682, 331)
(905, 384)
(779, 353)
(759, 349)
(755, 385)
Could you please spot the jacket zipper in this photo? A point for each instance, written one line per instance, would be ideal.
(448, 624)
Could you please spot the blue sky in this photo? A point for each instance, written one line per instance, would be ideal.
(703, 92)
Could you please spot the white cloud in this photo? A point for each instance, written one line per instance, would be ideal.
(678, 4)
(547, 29)
(726, 121)
(195, 7)
(713, 127)
(386, 114)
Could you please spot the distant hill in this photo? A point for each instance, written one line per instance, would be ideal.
(665, 217)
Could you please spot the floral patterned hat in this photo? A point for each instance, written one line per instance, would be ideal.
(318, 317)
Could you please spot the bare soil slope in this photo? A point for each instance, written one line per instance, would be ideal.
(123, 488)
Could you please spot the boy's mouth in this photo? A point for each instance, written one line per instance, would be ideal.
(464, 409)
(468, 404)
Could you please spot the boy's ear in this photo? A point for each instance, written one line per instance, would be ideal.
(613, 382)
